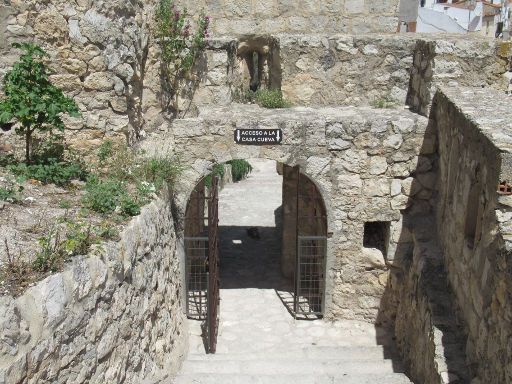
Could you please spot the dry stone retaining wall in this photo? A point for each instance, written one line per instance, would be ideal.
(113, 316)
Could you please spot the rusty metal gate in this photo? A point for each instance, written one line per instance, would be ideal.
(202, 259)
(213, 266)
(310, 279)
(309, 297)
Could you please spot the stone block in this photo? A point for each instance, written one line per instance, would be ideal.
(378, 165)
(354, 7)
(100, 81)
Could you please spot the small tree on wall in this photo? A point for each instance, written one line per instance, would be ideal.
(180, 47)
(31, 99)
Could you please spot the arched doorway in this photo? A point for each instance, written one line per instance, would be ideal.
(294, 266)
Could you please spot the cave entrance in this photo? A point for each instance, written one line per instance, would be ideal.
(272, 238)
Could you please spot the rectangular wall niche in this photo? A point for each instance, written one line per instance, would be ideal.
(259, 64)
(376, 235)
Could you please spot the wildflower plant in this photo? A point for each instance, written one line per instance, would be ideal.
(180, 46)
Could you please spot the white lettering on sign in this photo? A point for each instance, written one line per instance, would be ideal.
(258, 136)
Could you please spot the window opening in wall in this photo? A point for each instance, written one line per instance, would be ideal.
(259, 64)
(472, 215)
(255, 71)
(376, 235)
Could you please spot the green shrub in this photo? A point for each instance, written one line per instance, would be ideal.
(268, 98)
(217, 170)
(129, 205)
(49, 151)
(239, 169)
(8, 194)
(6, 160)
(105, 150)
(103, 196)
(11, 192)
(59, 173)
(110, 195)
(54, 251)
(48, 258)
(78, 239)
(158, 171)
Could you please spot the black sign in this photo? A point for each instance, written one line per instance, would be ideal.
(258, 136)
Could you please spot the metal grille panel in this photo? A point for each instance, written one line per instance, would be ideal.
(310, 279)
(196, 251)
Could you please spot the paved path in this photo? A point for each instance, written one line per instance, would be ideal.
(259, 341)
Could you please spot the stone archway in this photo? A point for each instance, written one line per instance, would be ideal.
(303, 235)
(360, 159)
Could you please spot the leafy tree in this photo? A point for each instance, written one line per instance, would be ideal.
(31, 99)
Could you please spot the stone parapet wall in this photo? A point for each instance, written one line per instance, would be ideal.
(113, 316)
(386, 69)
(235, 18)
(475, 143)
(456, 61)
(428, 335)
(364, 162)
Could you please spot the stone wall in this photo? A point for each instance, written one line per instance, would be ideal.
(103, 55)
(235, 18)
(383, 70)
(362, 160)
(475, 151)
(467, 61)
(113, 316)
(332, 70)
(429, 337)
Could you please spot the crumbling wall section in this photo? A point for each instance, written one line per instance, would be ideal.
(113, 316)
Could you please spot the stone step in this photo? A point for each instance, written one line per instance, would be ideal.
(284, 367)
(362, 378)
(308, 352)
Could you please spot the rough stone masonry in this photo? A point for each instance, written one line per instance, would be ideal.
(117, 315)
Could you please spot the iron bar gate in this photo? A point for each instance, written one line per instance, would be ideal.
(213, 266)
(311, 249)
(202, 259)
(310, 275)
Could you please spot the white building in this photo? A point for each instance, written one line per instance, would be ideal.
(453, 17)
(488, 17)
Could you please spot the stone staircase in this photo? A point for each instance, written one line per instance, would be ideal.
(274, 348)
(346, 365)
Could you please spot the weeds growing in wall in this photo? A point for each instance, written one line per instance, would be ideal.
(267, 98)
(240, 169)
